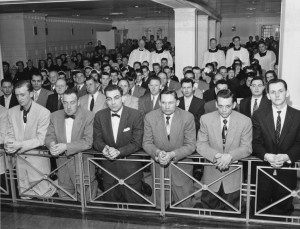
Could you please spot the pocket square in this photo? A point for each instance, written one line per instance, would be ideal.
(126, 129)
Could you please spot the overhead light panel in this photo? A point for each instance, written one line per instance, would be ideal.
(116, 13)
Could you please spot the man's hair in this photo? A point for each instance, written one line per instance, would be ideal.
(210, 64)
(163, 59)
(155, 64)
(235, 38)
(24, 83)
(195, 68)
(61, 79)
(250, 74)
(91, 78)
(36, 74)
(250, 37)
(213, 39)
(124, 79)
(225, 94)
(261, 42)
(162, 73)
(104, 74)
(6, 80)
(105, 65)
(168, 92)
(5, 63)
(114, 71)
(166, 67)
(20, 62)
(273, 81)
(154, 78)
(113, 88)
(190, 72)
(125, 57)
(273, 73)
(138, 71)
(257, 78)
(71, 91)
(222, 67)
(187, 80)
(145, 67)
(137, 62)
(222, 82)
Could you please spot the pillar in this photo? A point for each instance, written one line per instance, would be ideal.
(185, 39)
(202, 37)
(218, 30)
(289, 50)
(212, 28)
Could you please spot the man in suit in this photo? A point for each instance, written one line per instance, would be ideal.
(54, 101)
(170, 135)
(40, 95)
(136, 90)
(189, 74)
(276, 141)
(80, 84)
(191, 103)
(118, 133)
(211, 94)
(27, 127)
(257, 101)
(114, 76)
(212, 105)
(146, 77)
(30, 69)
(128, 100)
(104, 80)
(150, 101)
(70, 131)
(224, 137)
(8, 99)
(244, 91)
(171, 84)
(52, 78)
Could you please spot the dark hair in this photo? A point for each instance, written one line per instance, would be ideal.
(225, 94)
(210, 64)
(195, 68)
(71, 91)
(105, 65)
(137, 62)
(163, 59)
(155, 64)
(37, 74)
(250, 74)
(125, 57)
(222, 67)
(212, 39)
(187, 80)
(5, 63)
(114, 71)
(168, 92)
(273, 73)
(91, 78)
(20, 62)
(190, 72)
(154, 78)
(145, 67)
(162, 73)
(112, 87)
(6, 80)
(124, 79)
(138, 71)
(104, 74)
(236, 37)
(261, 42)
(222, 82)
(257, 78)
(273, 81)
(24, 83)
(166, 67)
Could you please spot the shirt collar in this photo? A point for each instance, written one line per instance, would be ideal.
(119, 112)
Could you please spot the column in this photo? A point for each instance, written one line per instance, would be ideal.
(289, 49)
(218, 30)
(202, 37)
(185, 39)
(212, 28)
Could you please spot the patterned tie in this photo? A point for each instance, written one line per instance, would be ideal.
(59, 103)
(92, 103)
(224, 132)
(278, 127)
(255, 107)
(35, 96)
(168, 126)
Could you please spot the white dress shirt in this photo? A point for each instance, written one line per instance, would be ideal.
(115, 121)
(253, 101)
(170, 122)
(69, 126)
(187, 102)
(282, 115)
(154, 99)
(227, 124)
(90, 99)
(7, 101)
(36, 94)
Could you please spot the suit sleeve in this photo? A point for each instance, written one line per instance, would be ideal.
(148, 140)
(136, 140)
(51, 135)
(3, 125)
(258, 140)
(86, 140)
(98, 135)
(198, 115)
(189, 142)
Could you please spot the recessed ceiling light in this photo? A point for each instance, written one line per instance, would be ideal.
(136, 6)
(116, 13)
(106, 18)
(137, 17)
(250, 8)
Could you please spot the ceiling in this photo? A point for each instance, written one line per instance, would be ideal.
(137, 9)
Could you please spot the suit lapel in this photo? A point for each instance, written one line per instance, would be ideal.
(122, 124)
(193, 105)
(217, 130)
(162, 126)
(76, 126)
(270, 124)
(248, 107)
(20, 127)
(175, 127)
(108, 125)
(62, 127)
(286, 125)
(231, 131)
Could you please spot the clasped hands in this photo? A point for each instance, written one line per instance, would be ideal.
(276, 160)
(12, 146)
(57, 149)
(163, 157)
(222, 161)
(110, 152)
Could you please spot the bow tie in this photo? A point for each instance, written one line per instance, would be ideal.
(160, 51)
(262, 54)
(69, 116)
(141, 50)
(115, 115)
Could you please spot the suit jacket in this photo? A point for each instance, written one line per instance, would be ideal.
(52, 103)
(110, 82)
(43, 97)
(3, 123)
(196, 108)
(243, 91)
(82, 131)
(35, 130)
(138, 91)
(13, 101)
(131, 101)
(129, 141)
(238, 145)
(146, 82)
(99, 104)
(197, 93)
(82, 91)
(209, 95)
(173, 85)
(182, 139)
(245, 105)
(289, 143)
(145, 104)
(49, 88)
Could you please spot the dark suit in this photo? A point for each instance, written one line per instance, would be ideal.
(289, 143)
(13, 101)
(146, 105)
(209, 94)
(245, 105)
(145, 83)
(243, 91)
(82, 91)
(138, 91)
(196, 108)
(52, 103)
(43, 97)
(129, 141)
(49, 88)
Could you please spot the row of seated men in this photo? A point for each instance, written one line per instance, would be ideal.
(166, 128)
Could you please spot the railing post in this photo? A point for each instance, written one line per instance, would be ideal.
(81, 181)
(248, 203)
(12, 178)
(162, 190)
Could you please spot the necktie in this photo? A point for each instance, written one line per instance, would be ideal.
(168, 126)
(35, 96)
(25, 116)
(70, 116)
(78, 88)
(255, 107)
(92, 103)
(59, 103)
(115, 115)
(224, 132)
(130, 92)
(153, 102)
(278, 127)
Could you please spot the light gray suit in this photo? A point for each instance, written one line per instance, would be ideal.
(3, 124)
(43, 97)
(197, 93)
(99, 104)
(31, 136)
(182, 142)
(131, 101)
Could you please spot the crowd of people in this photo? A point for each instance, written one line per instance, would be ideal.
(232, 106)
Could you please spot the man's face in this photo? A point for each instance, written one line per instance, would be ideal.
(124, 62)
(86, 63)
(262, 48)
(187, 89)
(114, 77)
(124, 85)
(131, 84)
(70, 104)
(156, 69)
(141, 44)
(164, 63)
(53, 76)
(104, 80)
(97, 66)
(168, 104)
(277, 94)
(230, 74)
(80, 78)
(36, 82)
(269, 77)
(145, 73)
(87, 72)
(91, 86)
(236, 42)
(114, 100)
(163, 78)
(189, 76)
(23, 96)
(60, 86)
(256, 38)
(20, 66)
(218, 77)
(59, 62)
(7, 88)
(154, 87)
(29, 64)
(213, 44)
(158, 44)
(168, 72)
(5, 68)
(223, 72)
(257, 87)
(136, 66)
(106, 69)
(139, 77)
(248, 81)
(197, 73)
(225, 106)
(220, 87)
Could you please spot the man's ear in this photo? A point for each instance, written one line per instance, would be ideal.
(177, 102)
(234, 105)
(268, 96)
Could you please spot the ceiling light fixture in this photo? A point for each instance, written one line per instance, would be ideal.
(136, 6)
(116, 13)
(250, 8)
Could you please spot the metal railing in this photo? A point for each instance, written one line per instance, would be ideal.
(163, 200)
